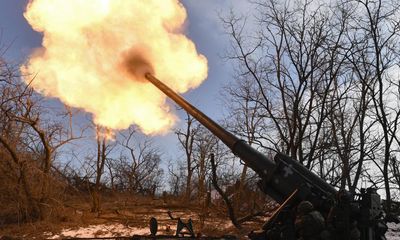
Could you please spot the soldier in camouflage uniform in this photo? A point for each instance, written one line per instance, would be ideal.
(340, 222)
(279, 228)
(309, 223)
(283, 228)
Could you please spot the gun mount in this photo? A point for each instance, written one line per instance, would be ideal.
(282, 176)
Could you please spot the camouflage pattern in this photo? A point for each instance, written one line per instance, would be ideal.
(309, 223)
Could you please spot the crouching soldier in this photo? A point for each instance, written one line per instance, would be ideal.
(309, 223)
(278, 228)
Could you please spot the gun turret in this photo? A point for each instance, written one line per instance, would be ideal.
(280, 176)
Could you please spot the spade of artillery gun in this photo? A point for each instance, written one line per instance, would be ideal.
(284, 179)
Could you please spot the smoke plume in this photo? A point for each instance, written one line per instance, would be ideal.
(95, 52)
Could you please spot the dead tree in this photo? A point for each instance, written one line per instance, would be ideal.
(104, 148)
(205, 143)
(294, 61)
(31, 138)
(322, 83)
(244, 120)
(229, 205)
(380, 27)
(186, 139)
(139, 164)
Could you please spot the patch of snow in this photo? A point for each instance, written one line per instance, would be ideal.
(118, 230)
(393, 232)
(102, 230)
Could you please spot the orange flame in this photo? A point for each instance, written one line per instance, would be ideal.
(95, 53)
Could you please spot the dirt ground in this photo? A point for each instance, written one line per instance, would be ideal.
(130, 213)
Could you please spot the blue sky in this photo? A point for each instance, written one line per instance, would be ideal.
(204, 28)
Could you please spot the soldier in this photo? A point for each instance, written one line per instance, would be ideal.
(279, 228)
(283, 227)
(309, 223)
(340, 222)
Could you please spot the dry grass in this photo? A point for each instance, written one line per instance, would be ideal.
(131, 211)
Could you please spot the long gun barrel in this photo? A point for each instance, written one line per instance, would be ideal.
(280, 176)
(253, 158)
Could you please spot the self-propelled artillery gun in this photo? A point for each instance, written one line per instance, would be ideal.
(288, 182)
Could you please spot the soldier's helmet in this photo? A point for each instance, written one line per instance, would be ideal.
(304, 207)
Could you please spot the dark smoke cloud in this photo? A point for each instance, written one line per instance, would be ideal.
(137, 64)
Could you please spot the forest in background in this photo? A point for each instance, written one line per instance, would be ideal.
(319, 82)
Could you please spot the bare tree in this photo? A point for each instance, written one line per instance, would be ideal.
(292, 62)
(111, 166)
(186, 139)
(205, 143)
(31, 139)
(104, 148)
(320, 79)
(140, 167)
(379, 26)
(214, 179)
(244, 119)
(176, 177)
